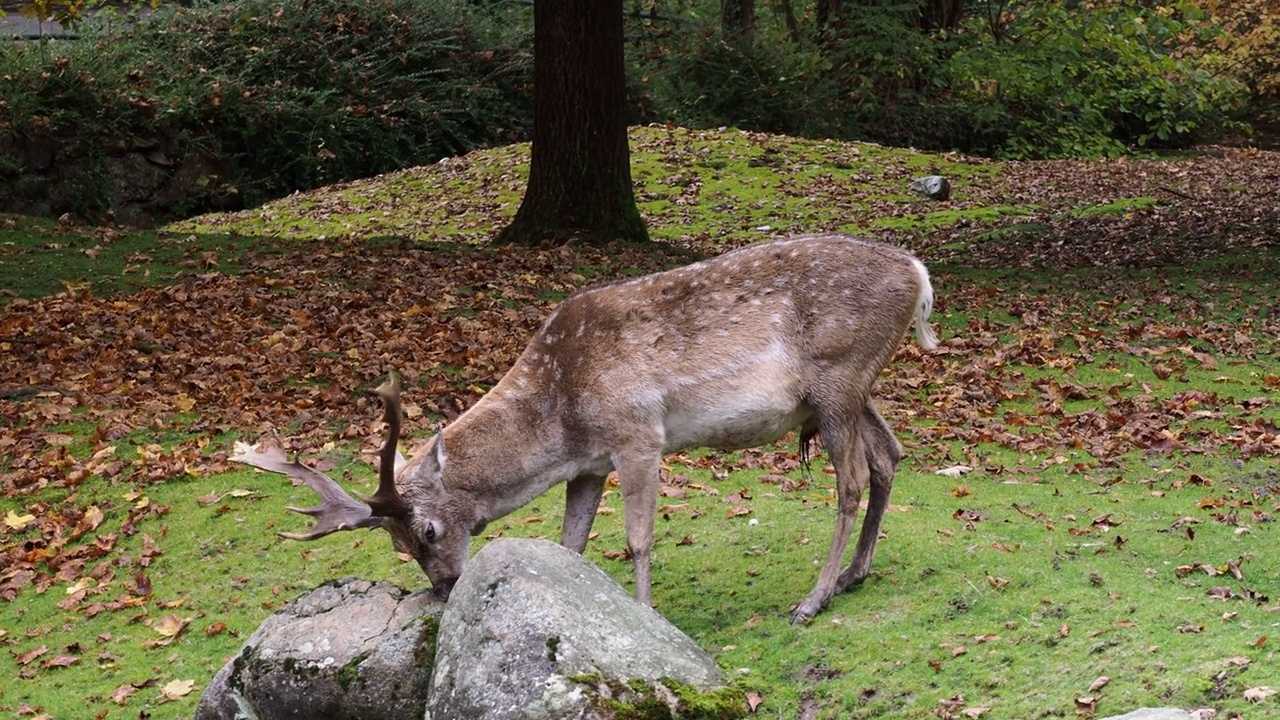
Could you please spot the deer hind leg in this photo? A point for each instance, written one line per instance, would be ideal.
(883, 453)
(581, 499)
(638, 476)
(843, 441)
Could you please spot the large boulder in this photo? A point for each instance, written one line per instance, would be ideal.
(348, 649)
(534, 631)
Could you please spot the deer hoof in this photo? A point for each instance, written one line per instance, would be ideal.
(804, 612)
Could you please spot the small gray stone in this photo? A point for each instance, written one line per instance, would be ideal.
(934, 187)
(529, 621)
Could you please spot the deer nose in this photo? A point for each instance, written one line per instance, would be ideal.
(443, 587)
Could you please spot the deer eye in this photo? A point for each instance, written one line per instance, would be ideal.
(430, 532)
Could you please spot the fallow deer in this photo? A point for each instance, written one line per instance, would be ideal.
(731, 352)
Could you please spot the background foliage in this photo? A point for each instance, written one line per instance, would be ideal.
(1050, 81)
(1248, 48)
(282, 95)
(1015, 79)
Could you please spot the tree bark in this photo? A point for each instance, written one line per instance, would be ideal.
(580, 171)
(789, 15)
(940, 14)
(828, 16)
(737, 20)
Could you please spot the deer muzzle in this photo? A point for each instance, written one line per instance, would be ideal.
(442, 588)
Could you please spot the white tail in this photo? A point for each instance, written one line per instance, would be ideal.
(924, 308)
(730, 352)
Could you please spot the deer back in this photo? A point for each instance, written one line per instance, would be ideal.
(745, 334)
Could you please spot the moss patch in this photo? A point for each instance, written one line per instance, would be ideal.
(664, 699)
(349, 674)
(425, 656)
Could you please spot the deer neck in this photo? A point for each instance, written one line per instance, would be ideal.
(502, 453)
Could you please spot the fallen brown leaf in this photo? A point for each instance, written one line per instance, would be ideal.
(177, 688)
(122, 694)
(27, 657)
(1259, 694)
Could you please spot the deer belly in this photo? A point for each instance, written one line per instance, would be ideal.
(738, 417)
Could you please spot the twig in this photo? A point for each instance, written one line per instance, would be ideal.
(26, 391)
(1179, 193)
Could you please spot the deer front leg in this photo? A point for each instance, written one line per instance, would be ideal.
(883, 453)
(638, 476)
(581, 499)
(852, 476)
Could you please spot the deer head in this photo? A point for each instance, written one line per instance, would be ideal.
(439, 552)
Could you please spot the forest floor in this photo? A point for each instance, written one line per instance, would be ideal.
(1108, 376)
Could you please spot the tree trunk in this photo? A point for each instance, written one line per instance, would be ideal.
(940, 14)
(789, 15)
(580, 172)
(828, 16)
(737, 20)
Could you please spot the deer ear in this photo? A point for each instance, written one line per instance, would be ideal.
(430, 465)
(438, 450)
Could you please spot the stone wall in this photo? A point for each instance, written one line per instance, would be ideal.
(131, 180)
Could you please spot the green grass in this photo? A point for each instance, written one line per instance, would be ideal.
(1121, 424)
(1117, 207)
(218, 568)
(39, 258)
(1040, 611)
(702, 188)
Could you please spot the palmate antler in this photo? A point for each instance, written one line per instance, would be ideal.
(387, 501)
(337, 509)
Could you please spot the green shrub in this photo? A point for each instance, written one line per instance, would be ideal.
(843, 85)
(1035, 80)
(707, 81)
(281, 95)
(322, 90)
(1048, 81)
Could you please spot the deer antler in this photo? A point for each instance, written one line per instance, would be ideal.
(337, 509)
(387, 501)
